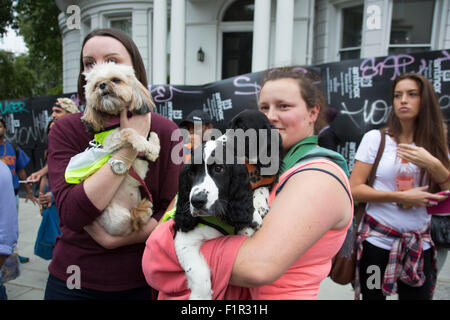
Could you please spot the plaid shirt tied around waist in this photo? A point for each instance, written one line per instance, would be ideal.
(405, 258)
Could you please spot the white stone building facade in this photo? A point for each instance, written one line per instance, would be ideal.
(200, 41)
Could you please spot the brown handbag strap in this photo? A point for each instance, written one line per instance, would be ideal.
(359, 211)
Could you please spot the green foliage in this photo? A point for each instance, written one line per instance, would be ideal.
(6, 16)
(39, 72)
(18, 77)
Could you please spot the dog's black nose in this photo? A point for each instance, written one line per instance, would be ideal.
(199, 200)
(102, 85)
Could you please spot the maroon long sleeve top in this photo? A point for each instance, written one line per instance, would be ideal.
(102, 269)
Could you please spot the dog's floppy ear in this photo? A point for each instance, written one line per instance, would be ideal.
(241, 198)
(94, 120)
(141, 101)
(184, 221)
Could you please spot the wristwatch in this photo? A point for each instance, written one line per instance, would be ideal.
(118, 166)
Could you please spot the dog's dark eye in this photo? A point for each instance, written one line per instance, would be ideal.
(218, 169)
(115, 80)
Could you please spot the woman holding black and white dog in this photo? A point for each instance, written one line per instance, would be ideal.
(97, 265)
(311, 210)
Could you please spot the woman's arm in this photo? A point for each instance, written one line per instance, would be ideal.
(108, 241)
(310, 204)
(423, 159)
(106, 180)
(361, 192)
(80, 204)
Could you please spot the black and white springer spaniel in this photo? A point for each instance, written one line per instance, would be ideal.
(232, 191)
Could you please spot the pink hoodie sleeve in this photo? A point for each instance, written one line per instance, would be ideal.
(163, 272)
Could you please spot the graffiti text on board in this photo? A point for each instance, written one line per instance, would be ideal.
(7, 107)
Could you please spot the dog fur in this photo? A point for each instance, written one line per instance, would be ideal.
(110, 88)
(215, 188)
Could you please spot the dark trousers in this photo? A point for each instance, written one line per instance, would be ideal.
(373, 255)
(57, 290)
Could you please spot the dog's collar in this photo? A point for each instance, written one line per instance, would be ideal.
(256, 180)
(217, 224)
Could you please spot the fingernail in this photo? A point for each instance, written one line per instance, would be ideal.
(432, 203)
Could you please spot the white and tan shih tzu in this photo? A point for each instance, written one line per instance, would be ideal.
(110, 88)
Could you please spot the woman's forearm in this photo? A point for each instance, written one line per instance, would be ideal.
(101, 187)
(364, 193)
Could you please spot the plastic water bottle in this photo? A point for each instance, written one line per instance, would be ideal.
(405, 179)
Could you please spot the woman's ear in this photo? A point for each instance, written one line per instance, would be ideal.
(314, 113)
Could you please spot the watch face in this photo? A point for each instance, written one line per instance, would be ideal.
(121, 167)
(118, 166)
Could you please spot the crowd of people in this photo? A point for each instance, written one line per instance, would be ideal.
(311, 205)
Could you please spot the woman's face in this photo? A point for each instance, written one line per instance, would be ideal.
(101, 49)
(281, 101)
(406, 99)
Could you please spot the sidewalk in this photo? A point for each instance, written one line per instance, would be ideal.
(31, 283)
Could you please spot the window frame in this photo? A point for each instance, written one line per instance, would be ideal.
(341, 30)
(120, 16)
(434, 37)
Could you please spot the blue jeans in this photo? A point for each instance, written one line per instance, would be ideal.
(3, 295)
(57, 290)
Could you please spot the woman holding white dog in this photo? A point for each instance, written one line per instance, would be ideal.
(311, 209)
(87, 262)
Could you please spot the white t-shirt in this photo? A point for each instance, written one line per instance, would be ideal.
(388, 213)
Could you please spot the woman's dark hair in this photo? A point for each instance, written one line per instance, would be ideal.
(429, 126)
(128, 43)
(310, 88)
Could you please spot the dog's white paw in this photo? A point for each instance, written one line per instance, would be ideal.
(260, 202)
(152, 151)
(246, 232)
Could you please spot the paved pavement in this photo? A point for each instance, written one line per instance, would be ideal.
(30, 285)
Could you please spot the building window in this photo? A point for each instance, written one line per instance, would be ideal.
(121, 23)
(240, 10)
(237, 38)
(236, 53)
(412, 25)
(352, 19)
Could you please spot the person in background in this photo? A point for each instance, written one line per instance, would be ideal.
(62, 107)
(327, 136)
(45, 196)
(16, 160)
(109, 266)
(8, 221)
(442, 252)
(395, 231)
(197, 123)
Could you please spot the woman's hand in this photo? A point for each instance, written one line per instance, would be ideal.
(418, 197)
(108, 241)
(139, 122)
(417, 155)
(423, 159)
(45, 199)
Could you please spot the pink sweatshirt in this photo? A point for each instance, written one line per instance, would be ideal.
(163, 272)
